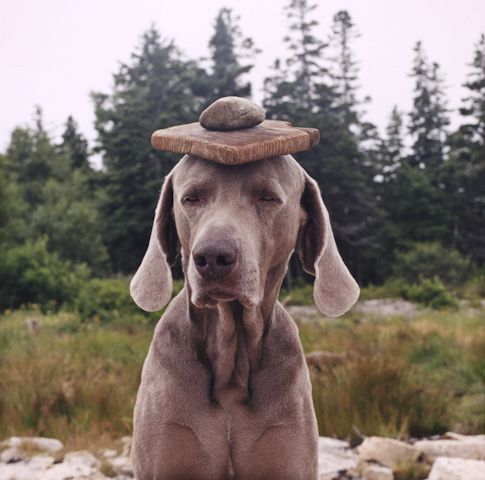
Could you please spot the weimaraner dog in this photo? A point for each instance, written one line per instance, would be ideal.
(225, 391)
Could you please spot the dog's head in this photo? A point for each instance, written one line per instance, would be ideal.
(235, 226)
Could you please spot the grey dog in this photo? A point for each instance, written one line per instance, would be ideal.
(225, 391)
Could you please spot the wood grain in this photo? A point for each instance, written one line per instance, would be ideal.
(270, 138)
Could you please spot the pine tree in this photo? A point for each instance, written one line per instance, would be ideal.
(392, 148)
(74, 144)
(157, 89)
(297, 85)
(344, 66)
(464, 177)
(231, 58)
(302, 91)
(428, 119)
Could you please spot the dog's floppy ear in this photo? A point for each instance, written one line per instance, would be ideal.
(151, 287)
(335, 290)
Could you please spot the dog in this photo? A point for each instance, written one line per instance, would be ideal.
(225, 391)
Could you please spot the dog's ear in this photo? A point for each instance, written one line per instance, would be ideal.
(335, 290)
(151, 287)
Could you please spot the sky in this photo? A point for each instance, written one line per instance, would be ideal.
(53, 53)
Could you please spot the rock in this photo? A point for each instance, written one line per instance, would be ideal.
(108, 453)
(377, 472)
(334, 457)
(126, 446)
(387, 451)
(31, 469)
(40, 444)
(471, 448)
(387, 307)
(232, 113)
(464, 438)
(457, 469)
(122, 466)
(75, 465)
(12, 455)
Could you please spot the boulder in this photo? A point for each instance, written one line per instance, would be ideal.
(387, 451)
(457, 469)
(80, 464)
(40, 444)
(376, 472)
(232, 113)
(469, 447)
(334, 457)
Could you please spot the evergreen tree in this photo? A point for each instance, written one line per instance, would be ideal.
(157, 89)
(74, 144)
(344, 67)
(464, 177)
(392, 147)
(298, 83)
(428, 119)
(301, 90)
(230, 53)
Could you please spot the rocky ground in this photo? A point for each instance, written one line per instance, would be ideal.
(451, 457)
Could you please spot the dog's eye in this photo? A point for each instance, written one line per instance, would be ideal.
(268, 198)
(190, 199)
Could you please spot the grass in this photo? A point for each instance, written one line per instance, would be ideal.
(403, 377)
(76, 379)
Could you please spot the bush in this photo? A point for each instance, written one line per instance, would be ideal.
(105, 299)
(429, 292)
(32, 275)
(430, 260)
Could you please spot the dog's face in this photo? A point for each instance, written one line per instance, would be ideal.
(234, 226)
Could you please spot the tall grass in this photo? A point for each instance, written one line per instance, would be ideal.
(402, 377)
(76, 379)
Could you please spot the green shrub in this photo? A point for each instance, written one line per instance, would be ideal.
(298, 296)
(105, 299)
(32, 275)
(430, 260)
(429, 292)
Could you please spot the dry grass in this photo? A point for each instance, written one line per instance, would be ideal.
(77, 381)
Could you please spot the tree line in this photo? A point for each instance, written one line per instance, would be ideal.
(420, 183)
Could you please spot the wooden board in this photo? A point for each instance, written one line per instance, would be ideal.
(270, 138)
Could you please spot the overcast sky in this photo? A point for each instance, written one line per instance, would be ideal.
(54, 52)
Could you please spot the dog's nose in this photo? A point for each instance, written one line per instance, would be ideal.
(215, 260)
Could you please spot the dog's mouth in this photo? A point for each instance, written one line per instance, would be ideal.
(210, 297)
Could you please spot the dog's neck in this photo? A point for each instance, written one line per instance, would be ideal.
(231, 340)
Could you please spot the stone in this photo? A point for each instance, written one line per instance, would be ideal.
(122, 466)
(40, 444)
(12, 455)
(387, 451)
(232, 113)
(471, 448)
(75, 465)
(334, 457)
(457, 469)
(377, 472)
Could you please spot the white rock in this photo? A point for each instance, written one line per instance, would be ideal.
(75, 464)
(108, 453)
(471, 448)
(42, 444)
(464, 438)
(126, 443)
(33, 469)
(377, 472)
(457, 469)
(82, 457)
(122, 466)
(10, 455)
(387, 451)
(334, 456)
